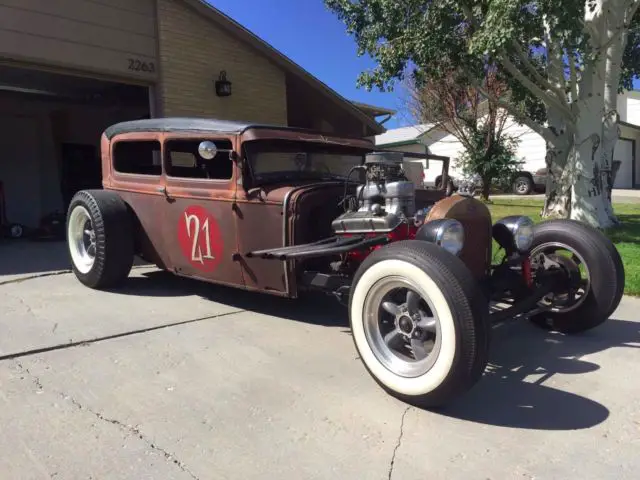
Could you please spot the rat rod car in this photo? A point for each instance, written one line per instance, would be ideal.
(284, 211)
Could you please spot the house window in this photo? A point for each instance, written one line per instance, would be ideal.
(184, 161)
(137, 157)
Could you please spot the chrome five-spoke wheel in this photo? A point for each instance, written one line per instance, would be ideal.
(401, 327)
(419, 322)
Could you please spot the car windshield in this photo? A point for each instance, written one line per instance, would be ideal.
(276, 161)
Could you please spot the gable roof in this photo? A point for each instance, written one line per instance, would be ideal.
(403, 135)
(240, 32)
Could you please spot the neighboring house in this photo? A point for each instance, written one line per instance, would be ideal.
(531, 149)
(70, 68)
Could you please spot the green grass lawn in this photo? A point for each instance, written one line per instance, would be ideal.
(626, 238)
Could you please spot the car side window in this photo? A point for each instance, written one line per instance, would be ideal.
(185, 161)
(140, 157)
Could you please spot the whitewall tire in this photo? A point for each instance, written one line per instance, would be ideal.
(100, 238)
(419, 322)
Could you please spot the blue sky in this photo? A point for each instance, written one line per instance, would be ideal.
(313, 37)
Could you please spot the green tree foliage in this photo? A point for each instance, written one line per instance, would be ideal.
(452, 105)
(492, 158)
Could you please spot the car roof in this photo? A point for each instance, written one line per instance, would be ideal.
(173, 124)
(210, 125)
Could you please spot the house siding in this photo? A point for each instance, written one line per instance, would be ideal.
(531, 149)
(194, 51)
(114, 37)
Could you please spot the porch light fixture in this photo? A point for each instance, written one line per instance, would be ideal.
(223, 86)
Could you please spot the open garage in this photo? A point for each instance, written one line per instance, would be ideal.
(50, 125)
(70, 68)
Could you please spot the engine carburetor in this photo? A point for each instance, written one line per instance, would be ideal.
(385, 200)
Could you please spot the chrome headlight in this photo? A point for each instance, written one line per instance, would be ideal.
(445, 232)
(521, 230)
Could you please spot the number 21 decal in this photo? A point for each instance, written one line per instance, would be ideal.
(200, 239)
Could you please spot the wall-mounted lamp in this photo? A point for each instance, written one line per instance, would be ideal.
(223, 86)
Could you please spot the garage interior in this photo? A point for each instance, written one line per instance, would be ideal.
(50, 127)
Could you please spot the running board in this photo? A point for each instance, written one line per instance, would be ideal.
(322, 248)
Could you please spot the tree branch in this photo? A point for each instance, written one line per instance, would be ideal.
(539, 129)
(536, 90)
(573, 75)
(522, 78)
(522, 56)
(555, 68)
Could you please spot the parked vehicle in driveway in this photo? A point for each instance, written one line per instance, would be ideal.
(525, 183)
(522, 183)
(285, 211)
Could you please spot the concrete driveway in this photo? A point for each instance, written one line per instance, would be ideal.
(173, 379)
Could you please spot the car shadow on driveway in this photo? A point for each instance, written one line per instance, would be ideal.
(316, 309)
(512, 393)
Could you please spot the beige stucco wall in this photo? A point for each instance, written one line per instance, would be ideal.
(113, 37)
(193, 51)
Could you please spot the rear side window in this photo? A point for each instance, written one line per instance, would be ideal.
(137, 157)
(184, 161)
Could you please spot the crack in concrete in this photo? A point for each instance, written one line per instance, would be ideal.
(86, 343)
(34, 379)
(56, 273)
(33, 277)
(398, 442)
(129, 429)
(25, 305)
(132, 430)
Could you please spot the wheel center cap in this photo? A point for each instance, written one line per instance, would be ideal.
(405, 324)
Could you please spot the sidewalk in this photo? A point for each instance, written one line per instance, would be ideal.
(620, 196)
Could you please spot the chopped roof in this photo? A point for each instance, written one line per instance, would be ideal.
(403, 135)
(204, 125)
(172, 124)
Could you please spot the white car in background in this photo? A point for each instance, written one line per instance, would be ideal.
(414, 170)
(522, 183)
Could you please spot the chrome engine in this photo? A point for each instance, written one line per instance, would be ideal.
(384, 201)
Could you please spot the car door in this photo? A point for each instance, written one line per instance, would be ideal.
(135, 172)
(199, 227)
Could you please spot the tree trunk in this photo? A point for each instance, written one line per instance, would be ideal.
(613, 67)
(589, 200)
(610, 135)
(486, 188)
(557, 202)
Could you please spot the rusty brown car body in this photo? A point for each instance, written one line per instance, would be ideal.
(277, 210)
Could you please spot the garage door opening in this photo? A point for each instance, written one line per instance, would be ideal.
(50, 127)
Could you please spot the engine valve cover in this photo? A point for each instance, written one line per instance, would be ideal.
(365, 222)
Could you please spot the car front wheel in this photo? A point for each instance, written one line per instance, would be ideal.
(419, 322)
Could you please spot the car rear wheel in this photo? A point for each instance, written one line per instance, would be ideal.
(595, 273)
(99, 238)
(419, 322)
